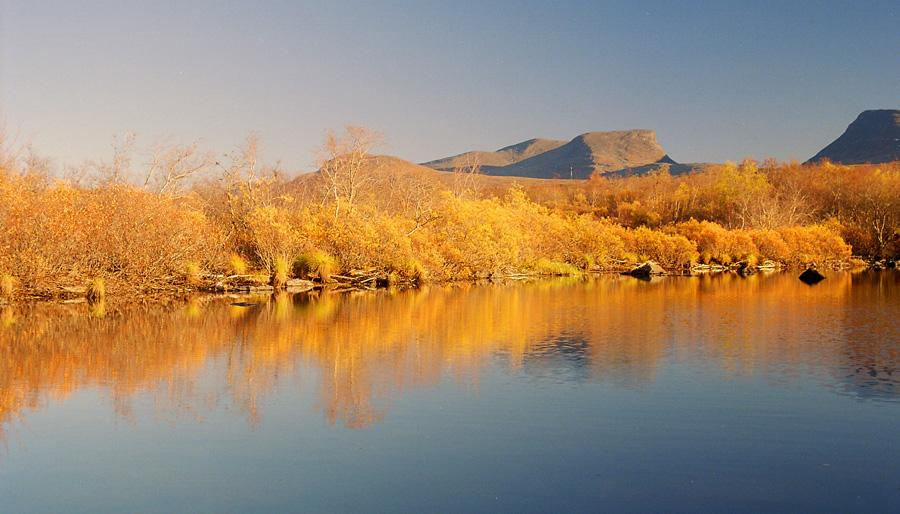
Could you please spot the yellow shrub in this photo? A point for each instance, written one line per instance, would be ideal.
(237, 264)
(316, 264)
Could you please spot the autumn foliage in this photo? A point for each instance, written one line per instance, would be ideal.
(231, 217)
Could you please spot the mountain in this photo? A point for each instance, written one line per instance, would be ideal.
(605, 152)
(502, 157)
(386, 168)
(874, 137)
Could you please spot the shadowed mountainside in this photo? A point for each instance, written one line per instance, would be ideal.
(874, 137)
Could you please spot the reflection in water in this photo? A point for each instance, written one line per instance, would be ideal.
(368, 348)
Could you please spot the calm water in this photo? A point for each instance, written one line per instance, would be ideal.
(610, 394)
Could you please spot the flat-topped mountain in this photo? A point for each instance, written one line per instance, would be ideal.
(603, 152)
(874, 137)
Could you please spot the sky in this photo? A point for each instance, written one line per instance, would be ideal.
(717, 80)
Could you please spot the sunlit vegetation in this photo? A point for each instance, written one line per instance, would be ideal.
(804, 204)
(186, 218)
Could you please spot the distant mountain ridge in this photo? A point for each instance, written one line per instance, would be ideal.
(503, 157)
(615, 152)
(873, 137)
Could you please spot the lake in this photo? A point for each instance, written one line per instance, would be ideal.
(716, 393)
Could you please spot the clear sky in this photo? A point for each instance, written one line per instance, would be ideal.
(717, 80)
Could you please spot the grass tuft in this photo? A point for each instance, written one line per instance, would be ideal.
(280, 272)
(192, 273)
(237, 264)
(554, 268)
(96, 291)
(316, 264)
(7, 286)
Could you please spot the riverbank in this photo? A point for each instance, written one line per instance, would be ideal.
(364, 224)
(260, 285)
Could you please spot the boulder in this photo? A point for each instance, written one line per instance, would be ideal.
(241, 283)
(72, 290)
(811, 276)
(298, 285)
(647, 269)
(767, 264)
(254, 289)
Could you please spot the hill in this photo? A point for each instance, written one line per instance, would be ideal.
(502, 157)
(874, 137)
(605, 152)
(386, 169)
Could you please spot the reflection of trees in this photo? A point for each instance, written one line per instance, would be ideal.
(366, 349)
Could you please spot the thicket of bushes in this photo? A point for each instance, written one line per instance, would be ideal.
(358, 217)
(861, 203)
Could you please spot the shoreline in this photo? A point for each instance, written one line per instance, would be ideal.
(346, 284)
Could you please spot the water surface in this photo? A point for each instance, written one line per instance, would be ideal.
(606, 394)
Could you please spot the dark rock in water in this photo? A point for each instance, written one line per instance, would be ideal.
(811, 276)
(647, 269)
(891, 264)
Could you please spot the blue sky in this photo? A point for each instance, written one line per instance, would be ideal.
(716, 80)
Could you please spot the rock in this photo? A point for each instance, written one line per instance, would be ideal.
(245, 304)
(298, 285)
(241, 283)
(72, 290)
(811, 276)
(647, 269)
(767, 264)
(254, 289)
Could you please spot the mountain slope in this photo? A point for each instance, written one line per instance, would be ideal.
(502, 157)
(604, 152)
(874, 137)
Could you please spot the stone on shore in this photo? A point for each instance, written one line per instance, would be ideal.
(298, 285)
(647, 269)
